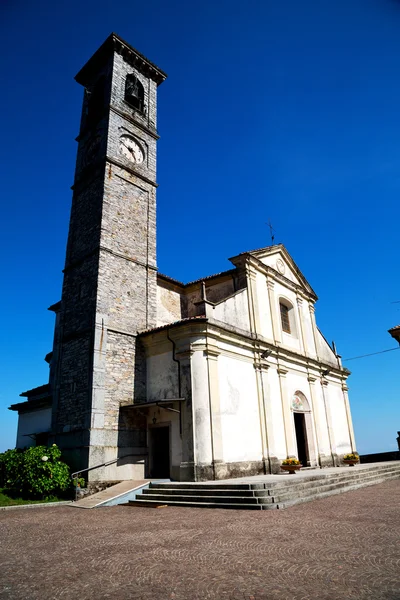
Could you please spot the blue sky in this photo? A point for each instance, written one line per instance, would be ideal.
(286, 111)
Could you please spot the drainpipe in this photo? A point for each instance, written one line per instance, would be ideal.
(179, 377)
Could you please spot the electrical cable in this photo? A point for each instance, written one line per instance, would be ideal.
(372, 354)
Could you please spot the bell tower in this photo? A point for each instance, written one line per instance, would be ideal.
(109, 288)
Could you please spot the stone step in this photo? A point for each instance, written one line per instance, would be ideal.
(209, 491)
(164, 498)
(350, 473)
(316, 496)
(205, 486)
(284, 496)
(233, 505)
(340, 480)
(277, 492)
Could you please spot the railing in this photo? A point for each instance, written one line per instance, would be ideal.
(75, 476)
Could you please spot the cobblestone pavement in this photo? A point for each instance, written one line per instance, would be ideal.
(343, 547)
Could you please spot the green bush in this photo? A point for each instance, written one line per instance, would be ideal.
(36, 472)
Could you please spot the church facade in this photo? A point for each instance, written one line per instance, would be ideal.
(150, 377)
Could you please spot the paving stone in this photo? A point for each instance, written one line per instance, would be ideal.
(344, 547)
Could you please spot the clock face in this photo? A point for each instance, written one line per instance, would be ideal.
(130, 149)
(280, 265)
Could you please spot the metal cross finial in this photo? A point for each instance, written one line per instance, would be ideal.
(271, 229)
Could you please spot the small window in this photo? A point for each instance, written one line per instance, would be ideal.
(285, 317)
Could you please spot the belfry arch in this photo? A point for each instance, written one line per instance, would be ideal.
(304, 430)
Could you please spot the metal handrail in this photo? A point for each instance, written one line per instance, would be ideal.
(105, 464)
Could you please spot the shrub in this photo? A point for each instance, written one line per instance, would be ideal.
(36, 472)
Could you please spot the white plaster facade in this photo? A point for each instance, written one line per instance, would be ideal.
(255, 394)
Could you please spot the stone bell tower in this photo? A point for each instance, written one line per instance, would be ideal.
(109, 288)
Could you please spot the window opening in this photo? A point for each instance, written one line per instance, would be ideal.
(134, 92)
(285, 317)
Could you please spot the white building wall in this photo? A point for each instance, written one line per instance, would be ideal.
(334, 396)
(162, 376)
(323, 439)
(307, 329)
(325, 353)
(37, 421)
(240, 420)
(233, 311)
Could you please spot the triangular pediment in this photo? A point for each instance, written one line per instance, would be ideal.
(279, 260)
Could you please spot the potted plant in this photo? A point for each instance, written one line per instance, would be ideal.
(291, 465)
(351, 459)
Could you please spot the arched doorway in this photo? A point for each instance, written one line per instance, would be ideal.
(303, 429)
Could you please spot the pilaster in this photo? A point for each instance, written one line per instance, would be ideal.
(301, 325)
(348, 416)
(253, 300)
(328, 414)
(286, 412)
(314, 328)
(212, 352)
(276, 330)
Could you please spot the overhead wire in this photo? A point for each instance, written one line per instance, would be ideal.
(372, 354)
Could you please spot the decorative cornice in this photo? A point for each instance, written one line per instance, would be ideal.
(212, 351)
(270, 284)
(112, 44)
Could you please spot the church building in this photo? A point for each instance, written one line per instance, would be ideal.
(150, 377)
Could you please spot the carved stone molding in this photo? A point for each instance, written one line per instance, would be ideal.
(270, 284)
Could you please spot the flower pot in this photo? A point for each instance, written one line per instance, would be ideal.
(351, 463)
(291, 468)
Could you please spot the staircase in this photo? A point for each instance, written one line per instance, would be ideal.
(268, 492)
